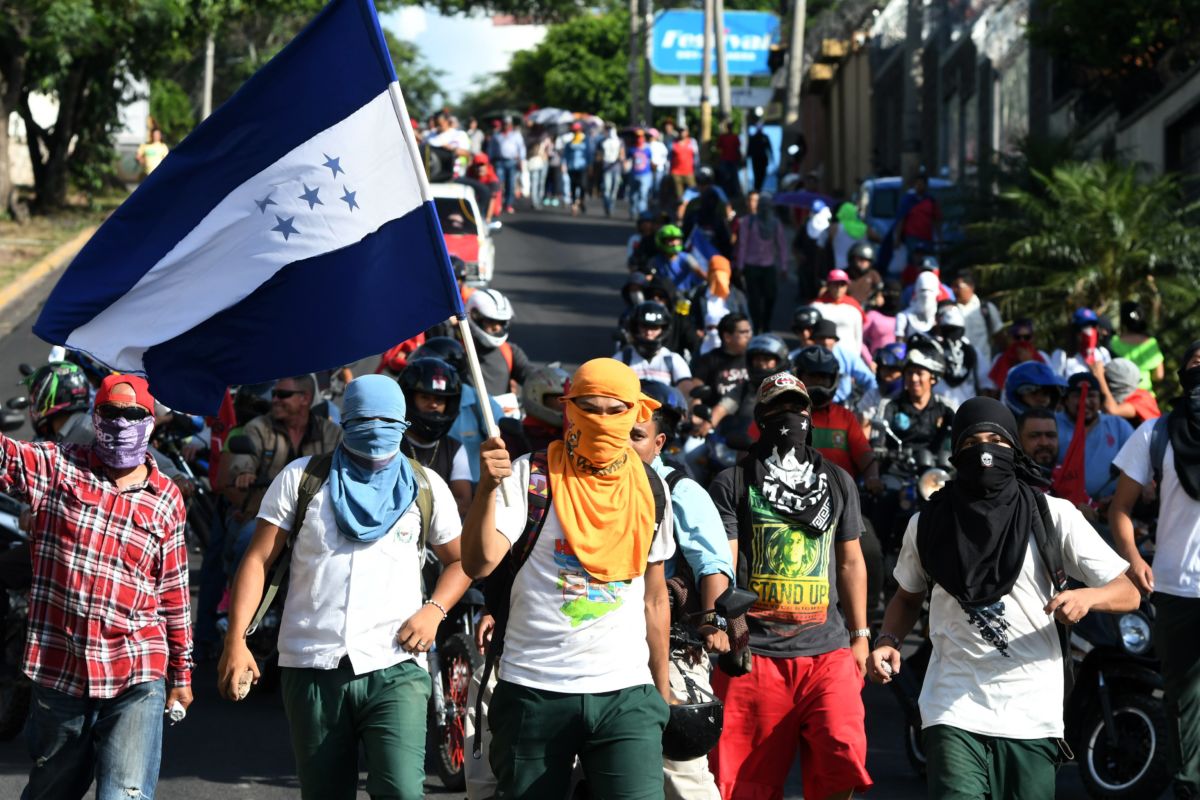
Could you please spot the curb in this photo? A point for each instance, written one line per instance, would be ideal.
(16, 291)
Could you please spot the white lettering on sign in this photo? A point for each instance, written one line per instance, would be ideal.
(681, 40)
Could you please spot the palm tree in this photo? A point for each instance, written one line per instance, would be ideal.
(1091, 234)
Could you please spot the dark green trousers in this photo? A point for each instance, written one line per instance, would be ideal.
(1177, 642)
(967, 766)
(330, 711)
(536, 736)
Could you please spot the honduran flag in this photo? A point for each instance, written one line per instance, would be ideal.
(291, 232)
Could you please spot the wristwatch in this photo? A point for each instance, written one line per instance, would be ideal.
(715, 620)
(861, 633)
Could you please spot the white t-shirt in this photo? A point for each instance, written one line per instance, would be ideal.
(1066, 366)
(666, 367)
(1001, 673)
(347, 597)
(1177, 546)
(849, 321)
(659, 155)
(567, 632)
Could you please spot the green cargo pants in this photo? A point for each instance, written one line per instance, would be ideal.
(330, 711)
(967, 766)
(536, 736)
(1177, 641)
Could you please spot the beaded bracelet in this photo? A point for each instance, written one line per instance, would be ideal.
(440, 607)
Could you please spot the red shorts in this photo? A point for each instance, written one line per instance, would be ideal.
(813, 705)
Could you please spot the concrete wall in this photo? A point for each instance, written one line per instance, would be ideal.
(1143, 137)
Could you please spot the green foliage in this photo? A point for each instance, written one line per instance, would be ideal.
(1122, 51)
(580, 65)
(1092, 234)
(172, 109)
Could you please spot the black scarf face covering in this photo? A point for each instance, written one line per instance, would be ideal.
(789, 473)
(1183, 426)
(973, 537)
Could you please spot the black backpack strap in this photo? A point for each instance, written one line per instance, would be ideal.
(625, 355)
(316, 472)
(1159, 438)
(673, 478)
(660, 495)
(1049, 543)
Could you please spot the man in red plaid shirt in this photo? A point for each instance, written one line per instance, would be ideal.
(109, 642)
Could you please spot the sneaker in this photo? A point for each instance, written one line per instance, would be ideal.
(510, 210)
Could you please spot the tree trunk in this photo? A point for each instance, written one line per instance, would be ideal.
(5, 179)
(50, 149)
(12, 75)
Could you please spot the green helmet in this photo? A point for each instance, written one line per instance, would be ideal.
(666, 233)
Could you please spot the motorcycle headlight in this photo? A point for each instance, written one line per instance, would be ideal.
(1135, 633)
(932, 480)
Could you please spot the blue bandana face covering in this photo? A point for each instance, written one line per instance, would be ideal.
(371, 484)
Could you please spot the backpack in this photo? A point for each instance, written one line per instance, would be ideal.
(497, 587)
(316, 472)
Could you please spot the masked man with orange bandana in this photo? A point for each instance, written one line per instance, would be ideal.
(584, 666)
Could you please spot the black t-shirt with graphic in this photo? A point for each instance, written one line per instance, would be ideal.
(793, 572)
(721, 371)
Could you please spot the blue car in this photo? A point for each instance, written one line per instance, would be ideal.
(879, 198)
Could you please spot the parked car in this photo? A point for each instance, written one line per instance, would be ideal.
(878, 200)
(467, 235)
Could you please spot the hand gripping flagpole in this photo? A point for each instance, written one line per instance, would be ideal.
(464, 329)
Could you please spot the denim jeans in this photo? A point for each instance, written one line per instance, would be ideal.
(537, 186)
(118, 742)
(611, 187)
(506, 169)
(639, 193)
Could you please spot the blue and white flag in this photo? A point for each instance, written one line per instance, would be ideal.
(288, 233)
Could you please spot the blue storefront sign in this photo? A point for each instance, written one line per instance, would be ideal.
(679, 42)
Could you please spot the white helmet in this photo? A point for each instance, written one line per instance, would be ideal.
(491, 305)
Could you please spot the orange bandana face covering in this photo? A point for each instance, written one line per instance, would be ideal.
(600, 490)
(719, 272)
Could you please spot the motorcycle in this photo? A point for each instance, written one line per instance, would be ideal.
(451, 661)
(202, 502)
(15, 686)
(1116, 717)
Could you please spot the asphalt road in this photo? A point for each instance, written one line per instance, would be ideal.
(563, 276)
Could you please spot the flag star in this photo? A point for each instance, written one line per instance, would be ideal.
(333, 164)
(285, 227)
(784, 431)
(348, 197)
(310, 196)
(266, 201)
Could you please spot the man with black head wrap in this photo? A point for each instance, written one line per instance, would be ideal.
(1174, 465)
(992, 699)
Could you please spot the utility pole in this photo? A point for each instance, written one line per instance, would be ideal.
(647, 73)
(795, 76)
(635, 90)
(723, 90)
(706, 81)
(210, 47)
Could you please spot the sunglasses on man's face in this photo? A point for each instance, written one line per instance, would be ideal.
(131, 413)
(1023, 337)
(284, 394)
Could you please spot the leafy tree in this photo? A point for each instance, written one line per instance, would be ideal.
(580, 65)
(171, 108)
(1092, 234)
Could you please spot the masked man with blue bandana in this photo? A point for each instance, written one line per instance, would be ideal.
(354, 631)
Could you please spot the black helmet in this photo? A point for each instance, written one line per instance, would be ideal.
(926, 352)
(650, 314)
(59, 387)
(693, 729)
(863, 250)
(805, 317)
(769, 344)
(705, 176)
(816, 360)
(673, 407)
(436, 377)
(459, 266)
(448, 350)
(251, 400)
